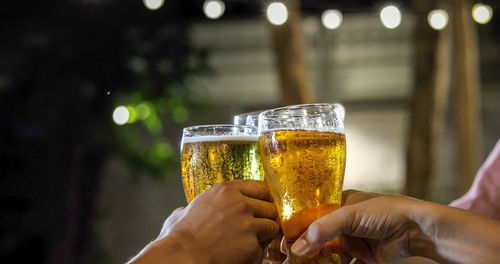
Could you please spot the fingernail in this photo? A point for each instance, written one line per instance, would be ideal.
(299, 247)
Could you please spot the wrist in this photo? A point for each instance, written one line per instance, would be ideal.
(450, 235)
(422, 236)
(174, 248)
(182, 246)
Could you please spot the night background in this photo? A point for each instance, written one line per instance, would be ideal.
(78, 187)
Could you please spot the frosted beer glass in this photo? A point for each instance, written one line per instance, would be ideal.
(213, 154)
(302, 149)
(249, 119)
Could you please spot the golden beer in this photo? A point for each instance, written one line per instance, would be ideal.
(305, 171)
(208, 160)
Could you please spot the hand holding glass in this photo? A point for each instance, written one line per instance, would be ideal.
(303, 156)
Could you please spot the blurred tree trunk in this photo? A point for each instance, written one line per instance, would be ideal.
(467, 93)
(289, 48)
(429, 101)
(325, 70)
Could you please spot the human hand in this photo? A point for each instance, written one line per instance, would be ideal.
(229, 223)
(378, 228)
(375, 228)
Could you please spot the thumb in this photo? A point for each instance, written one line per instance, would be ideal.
(322, 231)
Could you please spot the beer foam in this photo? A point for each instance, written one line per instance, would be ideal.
(220, 138)
(328, 130)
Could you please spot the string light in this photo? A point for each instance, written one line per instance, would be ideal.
(153, 4)
(438, 19)
(331, 19)
(214, 8)
(277, 13)
(482, 13)
(120, 115)
(390, 17)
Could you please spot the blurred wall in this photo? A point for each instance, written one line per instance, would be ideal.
(361, 60)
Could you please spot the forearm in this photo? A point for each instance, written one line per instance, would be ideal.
(171, 249)
(450, 235)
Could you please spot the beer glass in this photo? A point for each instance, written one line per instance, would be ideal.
(249, 119)
(272, 253)
(213, 154)
(303, 154)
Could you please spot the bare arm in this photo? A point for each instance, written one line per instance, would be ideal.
(451, 235)
(389, 228)
(170, 249)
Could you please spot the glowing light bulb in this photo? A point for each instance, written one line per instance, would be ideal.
(277, 13)
(390, 17)
(331, 19)
(120, 115)
(213, 9)
(481, 13)
(153, 4)
(438, 19)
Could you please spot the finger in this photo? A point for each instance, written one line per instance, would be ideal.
(347, 194)
(350, 197)
(358, 248)
(262, 209)
(266, 229)
(322, 231)
(254, 189)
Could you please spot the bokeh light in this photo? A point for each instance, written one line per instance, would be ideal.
(120, 115)
(180, 114)
(277, 13)
(331, 18)
(153, 4)
(132, 114)
(438, 19)
(143, 111)
(163, 150)
(213, 9)
(481, 13)
(390, 17)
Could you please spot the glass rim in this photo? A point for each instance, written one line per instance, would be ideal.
(190, 128)
(298, 106)
(253, 113)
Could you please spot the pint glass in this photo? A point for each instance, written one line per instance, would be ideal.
(213, 154)
(272, 253)
(249, 119)
(303, 155)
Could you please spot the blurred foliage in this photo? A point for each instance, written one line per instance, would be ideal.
(157, 97)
